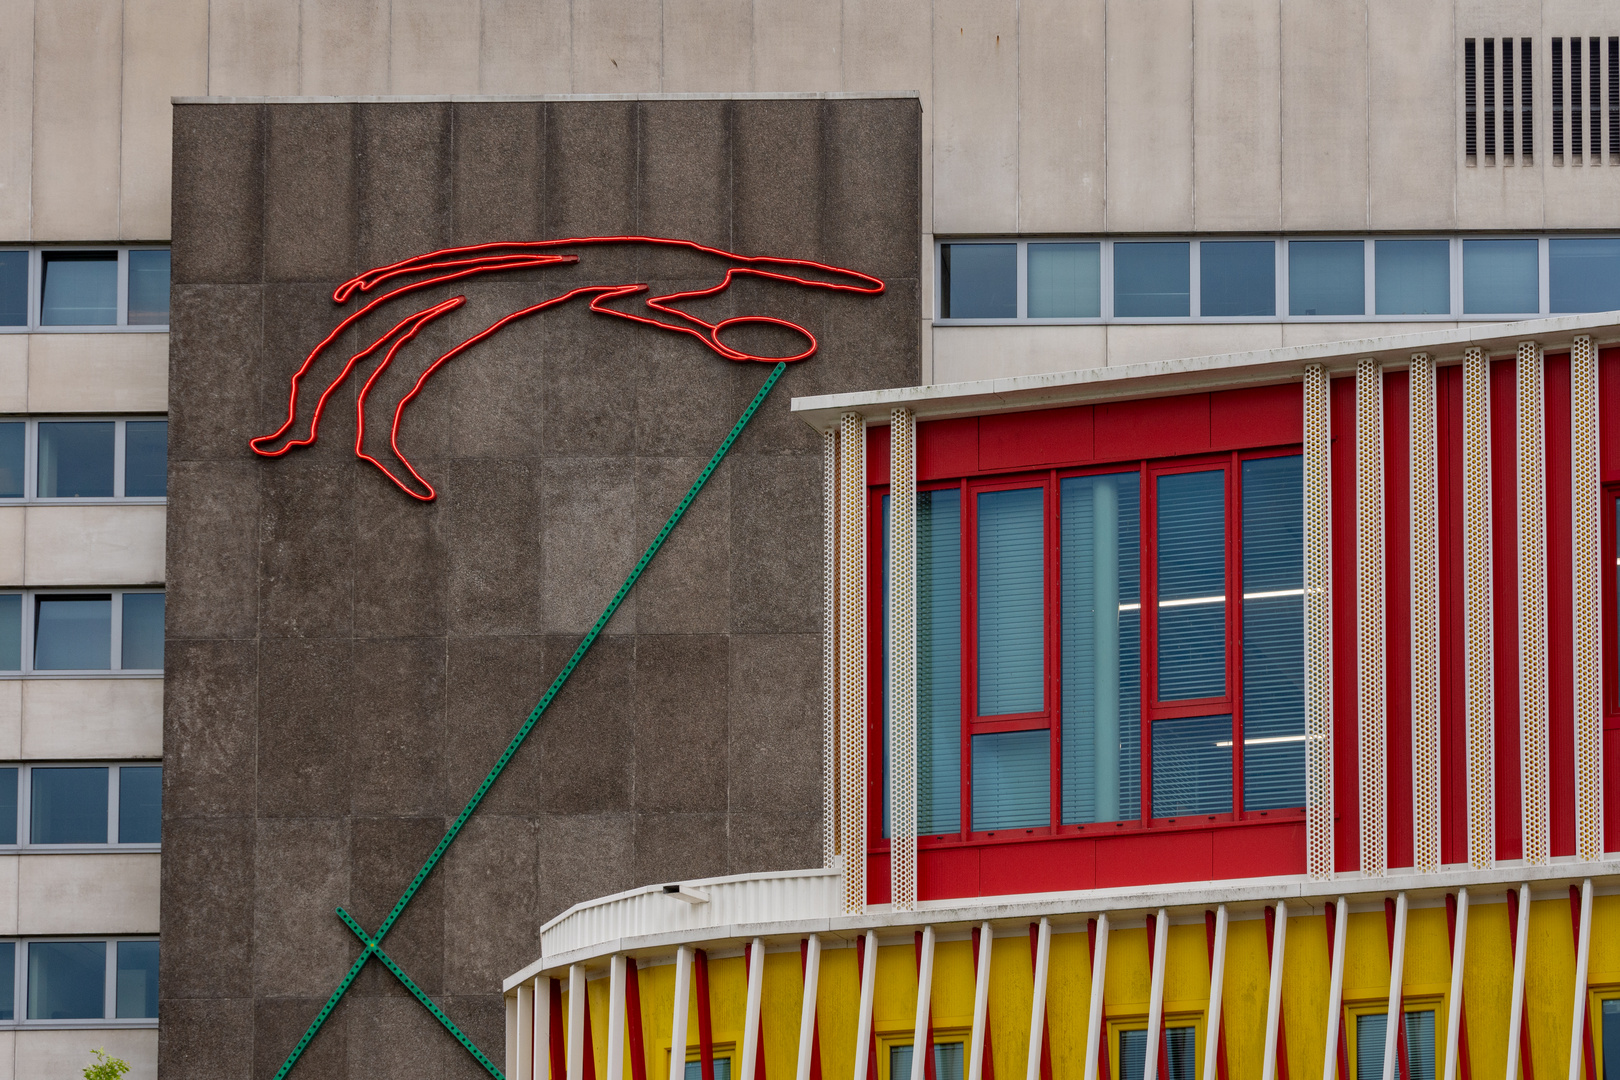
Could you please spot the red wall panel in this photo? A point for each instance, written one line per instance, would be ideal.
(1260, 852)
(1342, 478)
(877, 455)
(943, 873)
(1051, 866)
(1155, 858)
(947, 448)
(1257, 416)
(1505, 606)
(1453, 747)
(1560, 604)
(1609, 412)
(1398, 616)
(1046, 437)
(1159, 427)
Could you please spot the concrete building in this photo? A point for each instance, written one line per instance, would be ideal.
(1081, 196)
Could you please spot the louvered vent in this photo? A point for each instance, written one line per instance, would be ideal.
(1498, 74)
(1585, 100)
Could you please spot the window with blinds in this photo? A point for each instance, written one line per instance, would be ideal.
(1371, 1031)
(1012, 595)
(1191, 561)
(1180, 1052)
(948, 1061)
(1273, 633)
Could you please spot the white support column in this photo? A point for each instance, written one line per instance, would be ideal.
(852, 658)
(829, 648)
(1478, 670)
(1037, 1005)
(981, 1003)
(1099, 978)
(807, 1007)
(1318, 629)
(925, 989)
(524, 1063)
(615, 1029)
(1424, 532)
(751, 1010)
(1279, 941)
(1583, 956)
(678, 1013)
(1454, 1002)
(1217, 982)
(1161, 943)
(541, 994)
(1521, 953)
(863, 1022)
(1330, 1047)
(1532, 509)
(902, 658)
(1394, 1015)
(576, 1022)
(1372, 759)
(514, 1008)
(1589, 580)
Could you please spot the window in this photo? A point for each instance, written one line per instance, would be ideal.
(80, 804)
(979, 281)
(1180, 1053)
(80, 289)
(1239, 277)
(53, 633)
(1501, 277)
(1151, 280)
(1065, 281)
(1584, 274)
(79, 983)
(949, 1060)
(83, 459)
(1609, 1034)
(1099, 643)
(722, 1069)
(1414, 277)
(1370, 1032)
(1327, 277)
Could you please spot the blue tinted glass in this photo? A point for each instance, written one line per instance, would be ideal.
(8, 809)
(1371, 1031)
(948, 1061)
(140, 804)
(69, 806)
(1012, 779)
(8, 980)
(1132, 1054)
(1611, 1039)
(1192, 585)
(1420, 1056)
(76, 459)
(1238, 277)
(1151, 280)
(1273, 633)
(1412, 277)
(13, 288)
(1065, 281)
(1102, 619)
(1012, 602)
(1584, 274)
(148, 288)
(80, 288)
(67, 980)
(146, 458)
(73, 633)
(980, 281)
(1501, 277)
(136, 989)
(722, 1069)
(1192, 766)
(11, 459)
(10, 632)
(143, 632)
(1327, 277)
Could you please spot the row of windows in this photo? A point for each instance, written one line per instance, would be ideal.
(84, 459)
(81, 632)
(78, 805)
(1268, 279)
(66, 981)
(48, 288)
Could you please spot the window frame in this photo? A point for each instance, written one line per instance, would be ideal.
(887, 1041)
(109, 1006)
(120, 422)
(1434, 1003)
(36, 289)
(30, 616)
(1178, 1015)
(25, 804)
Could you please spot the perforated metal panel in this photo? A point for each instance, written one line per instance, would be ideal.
(1370, 690)
(1425, 560)
(902, 656)
(852, 657)
(1318, 630)
(1532, 605)
(1589, 582)
(1481, 749)
(829, 648)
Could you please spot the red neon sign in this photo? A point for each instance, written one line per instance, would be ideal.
(460, 263)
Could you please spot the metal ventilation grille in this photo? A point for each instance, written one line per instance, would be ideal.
(1585, 83)
(1497, 100)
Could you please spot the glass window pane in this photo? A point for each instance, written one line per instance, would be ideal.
(8, 808)
(722, 1069)
(1065, 281)
(1273, 633)
(939, 661)
(1370, 1034)
(148, 288)
(1420, 1057)
(1327, 277)
(73, 633)
(140, 804)
(80, 288)
(948, 1060)
(69, 805)
(1132, 1054)
(143, 632)
(10, 632)
(979, 281)
(76, 459)
(67, 980)
(1183, 1052)
(1151, 280)
(1012, 602)
(8, 980)
(11, 459)
(137, 984)
(1584, 274)
(1238, 277)
(1011, 779)
(1611, 1039)
(146, 458)
(1501, 277)
(1413, 277)
(1192, 585)
(1102, 636)
(1192, 766)
(13, 288)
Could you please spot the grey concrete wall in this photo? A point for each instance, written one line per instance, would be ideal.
(344, 664)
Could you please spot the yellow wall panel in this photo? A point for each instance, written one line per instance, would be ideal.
(1012, 990)
(1305, 992)
(1244, 992)
(1068, 1002)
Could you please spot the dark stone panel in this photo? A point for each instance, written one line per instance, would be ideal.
(499, 171)
(278, 1024)
(685, 589)
(208, 903)
(219, 179)
(401, 562)
(685, 188)
(590, 406)
(495, 553)
(215, 341)
(298, 317)
(301, 876)
(591, 179)
(777, 178)
(774, 737)
(210, 714)
(306, 542)
(890, 332)
(212, 540)
(206, 1038)
(762, 842)
(305, 712)
(493, 684)
(398, 728)
(404, 178)
(385, 854)
(311, 213)
(589, 543)
(391, 1034)
(482, 1018)
(683, 391)
(680, 725)
(873, 185)
(495, 392)
(677, 847)
(490, 925)
(586, 737)
(582, 856)
(775, 545)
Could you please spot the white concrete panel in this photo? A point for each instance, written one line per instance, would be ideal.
(165, 55)
(617, 46)
(77, 74)
(94, 545)
(965, 353)
(888, 46)
(1237, 149)
(434, 47)
(343, 47)
(91, 718)
(1324, 114)
(252, 48)
(12, 519)
(1150, 136)
(975, 117)
(100, 893)
(48, 1055)
(16, 117)
(1312, 333)
(8, 1054)
(1173, 341)
(13, 373)
(796, 44)
(525, 47)
(1411, 62)
(70, 373)
(1061, 115)
(1582, 196)
(8, 894)
(11, 692)
(708, 46)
